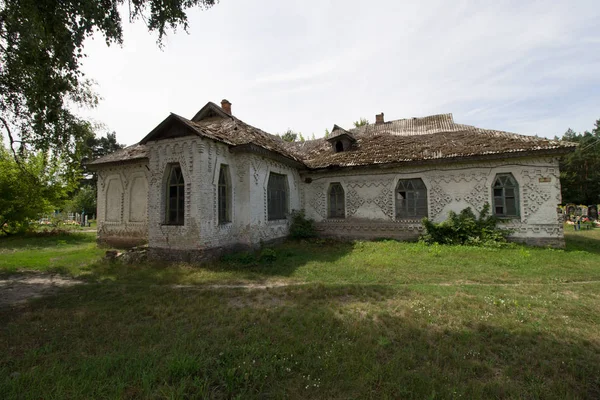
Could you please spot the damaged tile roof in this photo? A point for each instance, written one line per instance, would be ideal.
(130, 153)
(406, 140)
(420, 139)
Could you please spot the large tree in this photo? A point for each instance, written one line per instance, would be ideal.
(41, 52)
(580, 170)
(95, 147)
(29, 189)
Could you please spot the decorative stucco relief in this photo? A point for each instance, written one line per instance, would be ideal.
(318, 201)
(535, 195)
(210, 156)
(353, 202)
(370, 226)
(242, 166)
(385, 201)
(438, 199)
(102, 180)
(476, 197)
(384, 198)
(518, 227)
(257, 165)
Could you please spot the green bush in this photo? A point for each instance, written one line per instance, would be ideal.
(302, 227)
(465, 228)
(267, 255)
(244, 258)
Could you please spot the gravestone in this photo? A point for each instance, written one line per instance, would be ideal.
(571, 211)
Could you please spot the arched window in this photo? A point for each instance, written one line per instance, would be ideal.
(411, 199)
(175, 196)
(224, 195)
(337, 202)
(277, 197)
(339, 146)
(506, 196)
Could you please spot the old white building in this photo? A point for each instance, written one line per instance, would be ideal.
(196, 186)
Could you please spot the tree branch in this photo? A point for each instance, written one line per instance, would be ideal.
(10, 139)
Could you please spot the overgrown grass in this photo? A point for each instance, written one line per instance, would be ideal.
(370, 320)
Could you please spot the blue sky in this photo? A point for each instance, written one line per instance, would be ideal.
(525, 67)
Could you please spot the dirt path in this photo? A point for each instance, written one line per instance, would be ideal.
(18, 289)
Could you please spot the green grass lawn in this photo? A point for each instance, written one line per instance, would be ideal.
(67, 252)
(357, 320)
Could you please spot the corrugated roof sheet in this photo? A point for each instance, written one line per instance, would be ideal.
(404, 140)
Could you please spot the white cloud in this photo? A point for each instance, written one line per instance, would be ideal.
(529, 67)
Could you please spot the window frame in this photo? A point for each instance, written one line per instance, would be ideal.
(403, 211)
(179, 187)
(503, 196)
(332, 212)
(224, 198)
(277, 196)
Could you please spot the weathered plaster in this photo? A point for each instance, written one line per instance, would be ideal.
(122, 215)
(131, 198)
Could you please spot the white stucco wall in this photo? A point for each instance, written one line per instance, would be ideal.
(122, 215)
(200, 160)
(131, 197)
(370, 202)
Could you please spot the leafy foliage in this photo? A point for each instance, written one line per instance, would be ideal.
(302, 227)
(41, 52)
(267, 255)
(28, 189)
(580, 170)
(361, 122)
(290, 136)
(83, 200)
(465, 228)
(95, 147)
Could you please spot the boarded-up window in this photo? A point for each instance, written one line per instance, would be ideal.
(277, 197)
(114, 200)
(175, 196)
(411, 199)
(138, 200)
(506, 196)
(337, 203)
(224, 194)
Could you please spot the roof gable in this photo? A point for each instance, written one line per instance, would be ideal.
(171, 127)
(337, 133)
(210, 110)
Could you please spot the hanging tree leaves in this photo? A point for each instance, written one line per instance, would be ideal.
(41, 51)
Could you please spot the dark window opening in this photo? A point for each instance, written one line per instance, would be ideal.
(411, 199)
(224, 196)
(339, 146)
(175, 197)
(337, 202)
(277, 197)
(506, 196)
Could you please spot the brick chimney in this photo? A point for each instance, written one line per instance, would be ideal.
(379, 119)
(226, 106)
